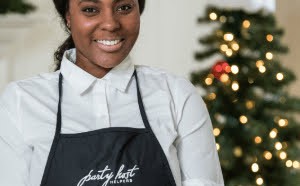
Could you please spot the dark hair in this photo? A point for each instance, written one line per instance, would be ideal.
(62, 6)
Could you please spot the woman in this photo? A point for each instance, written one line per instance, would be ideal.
(99, 119)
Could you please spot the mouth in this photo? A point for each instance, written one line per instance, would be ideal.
(109, 42)
(110, 45)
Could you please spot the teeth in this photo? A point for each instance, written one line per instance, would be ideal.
(109, 42)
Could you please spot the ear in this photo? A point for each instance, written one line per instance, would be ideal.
(68, 17)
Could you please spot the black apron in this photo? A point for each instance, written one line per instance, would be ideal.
(115, 156)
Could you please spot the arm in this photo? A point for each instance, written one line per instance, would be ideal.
(14, 153)
(195, 144)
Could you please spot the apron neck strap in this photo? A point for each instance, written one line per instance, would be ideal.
(140, 102)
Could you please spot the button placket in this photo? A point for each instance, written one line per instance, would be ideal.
(100, 105)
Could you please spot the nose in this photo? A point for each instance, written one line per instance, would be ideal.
(110, 22)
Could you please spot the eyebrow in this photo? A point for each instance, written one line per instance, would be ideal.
(96, 1)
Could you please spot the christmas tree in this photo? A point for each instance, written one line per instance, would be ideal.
(254, 117)
(15, 6)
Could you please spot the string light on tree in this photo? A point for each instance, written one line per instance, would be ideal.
(259, 181)
(273, 133)
(296, 164)
(228, 36)
(234, 69)
(278, 146)
(223, 19)
(213, 16)
(229, 52)
(246, 24)
(259, 63)
(235, 86)
(283, 155)
(283, 122)
(238, 152)
(289, 163)
(254, 167)
(258, 140)
(212, 96)
(216, 132)
(268, 155)
(269, 37)
(235, 46)
(250, 104)
(243, 119)
(224, 78)
(279, 76)
(269, 55)
(224, 47)
(262, 69)
(218, 146)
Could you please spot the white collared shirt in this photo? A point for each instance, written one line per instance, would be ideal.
(177, 115)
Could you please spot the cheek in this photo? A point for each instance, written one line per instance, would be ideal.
(83, 29)
(132, 27)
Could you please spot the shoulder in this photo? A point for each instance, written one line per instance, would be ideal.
(161, 78)
(30, 85)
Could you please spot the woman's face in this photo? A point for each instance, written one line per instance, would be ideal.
(104, 32)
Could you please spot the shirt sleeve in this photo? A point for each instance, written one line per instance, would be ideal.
(196, 147)
(15, 153)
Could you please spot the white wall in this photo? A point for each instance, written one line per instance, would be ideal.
(168, 38)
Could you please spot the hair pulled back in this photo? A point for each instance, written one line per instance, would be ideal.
(62, 7)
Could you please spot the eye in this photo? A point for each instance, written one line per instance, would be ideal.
(89, 10)
(124, 8)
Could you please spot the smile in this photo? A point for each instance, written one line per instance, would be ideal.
(109, 42)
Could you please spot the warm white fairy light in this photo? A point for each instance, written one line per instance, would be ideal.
(259, 181)
(273, 133)
(268, 155)
(216, 131)
(259, 63)
(269, 55)
(224, 78)
(208, 81)
(228, 36)
(212, 96)
(262, 69)
(289, 163)
(279, 76)
(223, 19)
(257, 140)
(296, 164)
(278, 146)
(254, 167)
(283, 122)
(243, 119)
(269, 37)
(283, 155)
(235, 86)
(218, 146)
(250, 104)
(234, 69)
(235, 46)
(229, 52)
(238, 152)
(224, 47)
(246, 24)
(213, 16)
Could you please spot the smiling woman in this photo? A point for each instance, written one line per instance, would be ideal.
(101, 120)
(103, 32)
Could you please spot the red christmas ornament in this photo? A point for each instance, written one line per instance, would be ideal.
(221, 67)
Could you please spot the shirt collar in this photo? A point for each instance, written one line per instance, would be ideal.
(80, 80)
